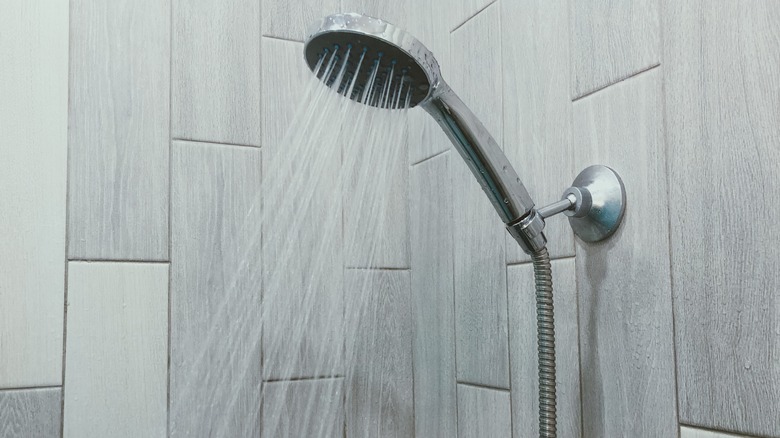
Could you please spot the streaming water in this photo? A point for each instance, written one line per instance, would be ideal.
(333, 216)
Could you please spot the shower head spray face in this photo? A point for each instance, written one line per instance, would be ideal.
(373, 48)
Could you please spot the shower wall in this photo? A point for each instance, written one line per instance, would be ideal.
(165, 117)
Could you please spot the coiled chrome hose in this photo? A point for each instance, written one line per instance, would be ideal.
(545, 328)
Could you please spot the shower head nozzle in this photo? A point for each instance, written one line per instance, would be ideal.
(383, 47)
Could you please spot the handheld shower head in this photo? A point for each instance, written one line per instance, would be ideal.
(391, 50)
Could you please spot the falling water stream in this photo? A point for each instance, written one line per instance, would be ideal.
(334, 242)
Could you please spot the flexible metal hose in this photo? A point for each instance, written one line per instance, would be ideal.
(545, 327)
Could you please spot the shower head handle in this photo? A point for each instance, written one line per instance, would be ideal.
(482, 154)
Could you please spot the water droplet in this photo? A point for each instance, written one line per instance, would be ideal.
(748, 365)
(506, 201)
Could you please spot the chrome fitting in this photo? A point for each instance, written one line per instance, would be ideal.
(528, 232)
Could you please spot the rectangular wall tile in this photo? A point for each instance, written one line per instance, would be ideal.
(216, 71)
(483, 412)
(31, 413)
(303, 408)
(480, 269)
(460, 11)
(627, 355)
(379, 385)
(433, 299)
(523, 350)
(118, 130)
(304, 285)
(611, 41)
(690, 432)
(117, 350)
(396, 12)
(537, 110)
(34, 126)
(291, 19)
(721, 79)
(375, 184)
(215, 374)
(426, 138)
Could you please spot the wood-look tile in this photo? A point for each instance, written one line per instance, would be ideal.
(537, 110)
(690, 432)
(523, 350)
(426, 138)
(116, 358)
(722, 78)
(379, 382)
(290, 20)
(216, 71)
(483, 412)
(626, 340)
(480, 269)
(375, 183)
(215, 374)
(611, 41)
(433, 299)
(303, 296)
(458, 12)
(303, 408)
(34, 127)
(31, 413)
(396, 12)
(118, 136)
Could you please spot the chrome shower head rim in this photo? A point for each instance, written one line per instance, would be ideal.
(361, 32)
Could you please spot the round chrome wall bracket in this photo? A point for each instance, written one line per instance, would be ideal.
(600, 203)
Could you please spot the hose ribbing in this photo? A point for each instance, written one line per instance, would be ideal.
(545, 327)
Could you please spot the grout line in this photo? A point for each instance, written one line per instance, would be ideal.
(67, 233)
(437, 154)
(472, 16)
(220, 143)
(30, 388)
(667, 168)
(162, 262)
(630, 76)
(727, 433)
(477, 385)
(529, 262)
(303, 379)
(375, 268)
(274, 37)
(170, 217)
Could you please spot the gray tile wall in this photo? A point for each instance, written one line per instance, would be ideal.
(173, 125)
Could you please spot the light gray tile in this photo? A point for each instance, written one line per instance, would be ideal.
(31, 413)
(375, 182)
(480, 269)
(396, 12)
(627, 355)
(291, 19)
(458, 12)
(523, 350)
(426, 138)
(303, 296)
(304, 408)
(215, 374)
(537, 110)
(118, 130)
(433, 299)
(216, 71)
(689, 432)
(611, 41)
(116, 358)
(483, 412)
(722, 79)
(34, 127)
(379, 385)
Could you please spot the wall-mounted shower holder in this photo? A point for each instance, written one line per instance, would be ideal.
(595, 204)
